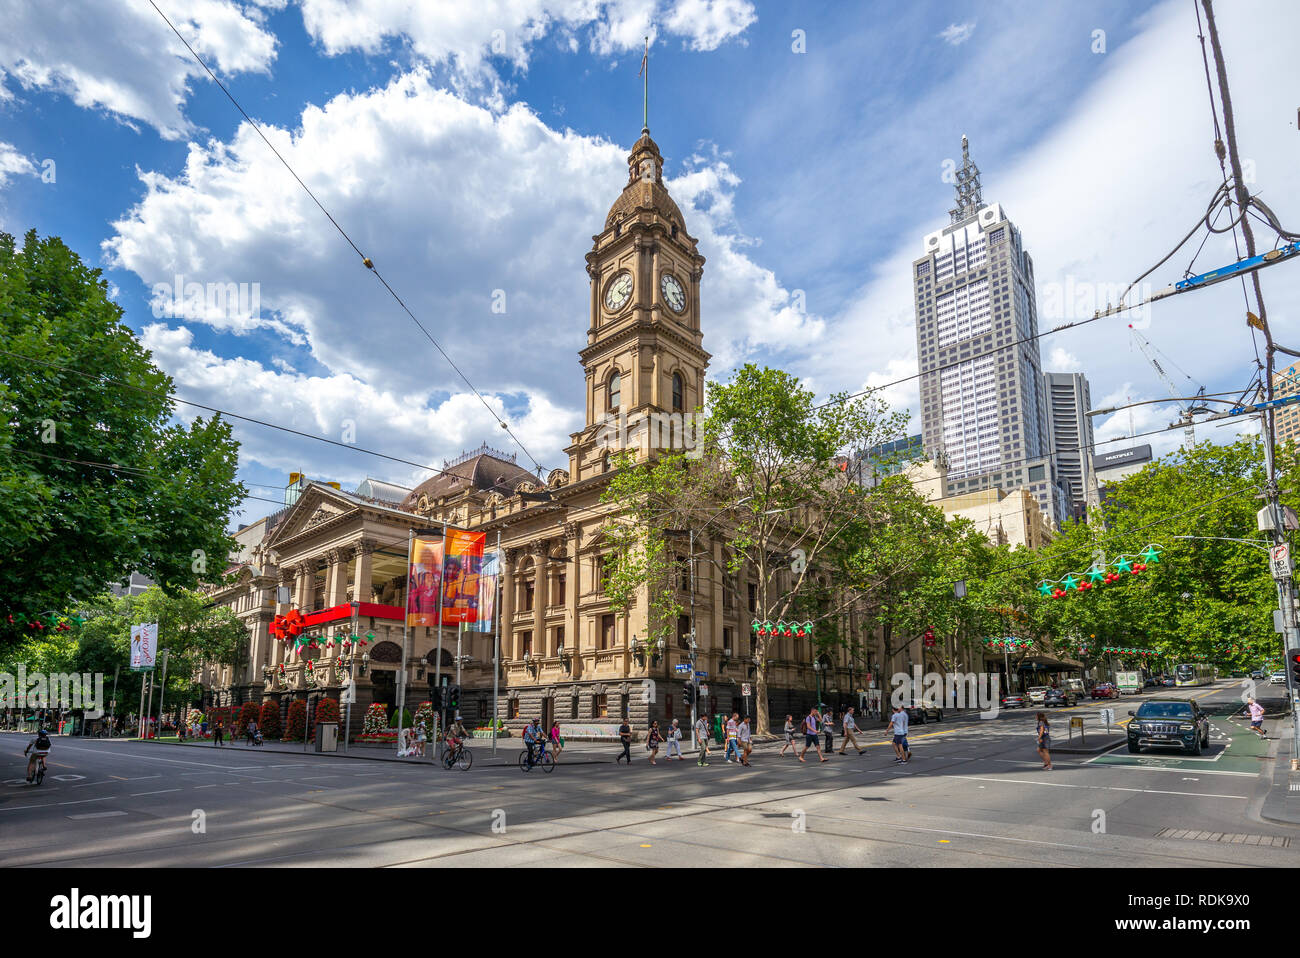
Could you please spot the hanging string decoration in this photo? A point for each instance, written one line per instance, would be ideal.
(1009, 644)
(1101, 573)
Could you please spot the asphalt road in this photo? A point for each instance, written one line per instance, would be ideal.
(974, 794)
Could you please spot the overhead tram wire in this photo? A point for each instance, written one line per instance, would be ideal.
(570, 510)
(365, 260)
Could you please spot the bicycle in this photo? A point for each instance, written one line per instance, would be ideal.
(546, 760)
(40, 769)
(458, 757)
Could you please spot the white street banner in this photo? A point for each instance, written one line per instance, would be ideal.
(144, 646)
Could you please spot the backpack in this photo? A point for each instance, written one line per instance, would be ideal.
(42, 742)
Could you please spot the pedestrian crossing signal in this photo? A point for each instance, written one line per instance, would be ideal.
(689, 694)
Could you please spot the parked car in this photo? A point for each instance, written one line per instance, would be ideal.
(1014, 700)
(1059, 697)
(1036, 694)
(1151, 683)
(1277, 678)
(1104, 690)
(1168, 682)
(920, 712)
(1169, 723)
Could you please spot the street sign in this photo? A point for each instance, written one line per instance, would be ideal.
(745, 689)
(682, 669)
(704, 690)
(348, 694)
(1280, 557)
(701, 675)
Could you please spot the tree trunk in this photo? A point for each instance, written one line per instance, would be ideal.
(761, 718)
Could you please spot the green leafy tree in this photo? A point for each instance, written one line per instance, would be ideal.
(97, 479)
(769, 487)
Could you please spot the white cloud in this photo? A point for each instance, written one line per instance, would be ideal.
(12, 162)
(955, 34)
(453, 202)
(122, 57)
(420, 426)
(1062, 361)
(466, 35)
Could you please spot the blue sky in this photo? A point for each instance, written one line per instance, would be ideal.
(471, 148)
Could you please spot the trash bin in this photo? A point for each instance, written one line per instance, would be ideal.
(327, 736)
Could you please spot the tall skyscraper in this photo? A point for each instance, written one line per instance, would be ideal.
(983, 408)
(1070, 431)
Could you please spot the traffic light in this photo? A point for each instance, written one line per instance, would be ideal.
(453, 696)
(1295, 669)
(689, 694)
(435, 698)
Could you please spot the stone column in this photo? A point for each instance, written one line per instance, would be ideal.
(508, 586)
(541, 599)
(718, 580)
(362, 585)
(572, 583)
(281, 608)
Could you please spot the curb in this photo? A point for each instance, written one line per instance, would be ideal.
(416, 763)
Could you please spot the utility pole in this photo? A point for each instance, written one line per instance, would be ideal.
(1291, 632)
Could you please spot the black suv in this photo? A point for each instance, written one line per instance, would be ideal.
(1169, 723)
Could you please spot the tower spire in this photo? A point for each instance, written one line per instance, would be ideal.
(969, 196)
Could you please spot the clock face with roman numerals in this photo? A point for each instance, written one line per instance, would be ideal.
(618, 292)
(674, 295)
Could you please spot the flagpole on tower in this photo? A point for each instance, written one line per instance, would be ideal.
(645, 98)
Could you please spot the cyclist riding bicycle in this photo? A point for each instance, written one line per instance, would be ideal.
(42, 745)
(534, 740)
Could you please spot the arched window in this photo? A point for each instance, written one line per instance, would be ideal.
(679, 391)
(615, 391)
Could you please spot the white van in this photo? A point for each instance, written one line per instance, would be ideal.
(1073, 685)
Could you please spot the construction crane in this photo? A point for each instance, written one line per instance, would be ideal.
(1188, 406)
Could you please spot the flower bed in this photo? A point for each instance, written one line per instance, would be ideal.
(387, 736)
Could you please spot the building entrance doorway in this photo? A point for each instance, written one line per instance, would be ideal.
(548, 714)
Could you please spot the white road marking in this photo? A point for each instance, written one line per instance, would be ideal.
(170, 761)
(1104, 788)
(96, 815)
(68, 778)
(161, 791)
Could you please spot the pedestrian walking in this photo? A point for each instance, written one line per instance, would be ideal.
(557, 741)
(828, 729)
(848, 730)
(810, 738)
(675, 742)
(733, 736)
(746, 746)
(1256, 712)
(218, 733)
(898, 725)
(652, 739)
(625, 736)
(789, 738)
(1044, 740)
(702, 740)
(251, 732)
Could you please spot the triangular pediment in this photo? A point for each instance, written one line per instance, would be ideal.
(316, 506)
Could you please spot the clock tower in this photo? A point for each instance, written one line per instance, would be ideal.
(644, 354)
